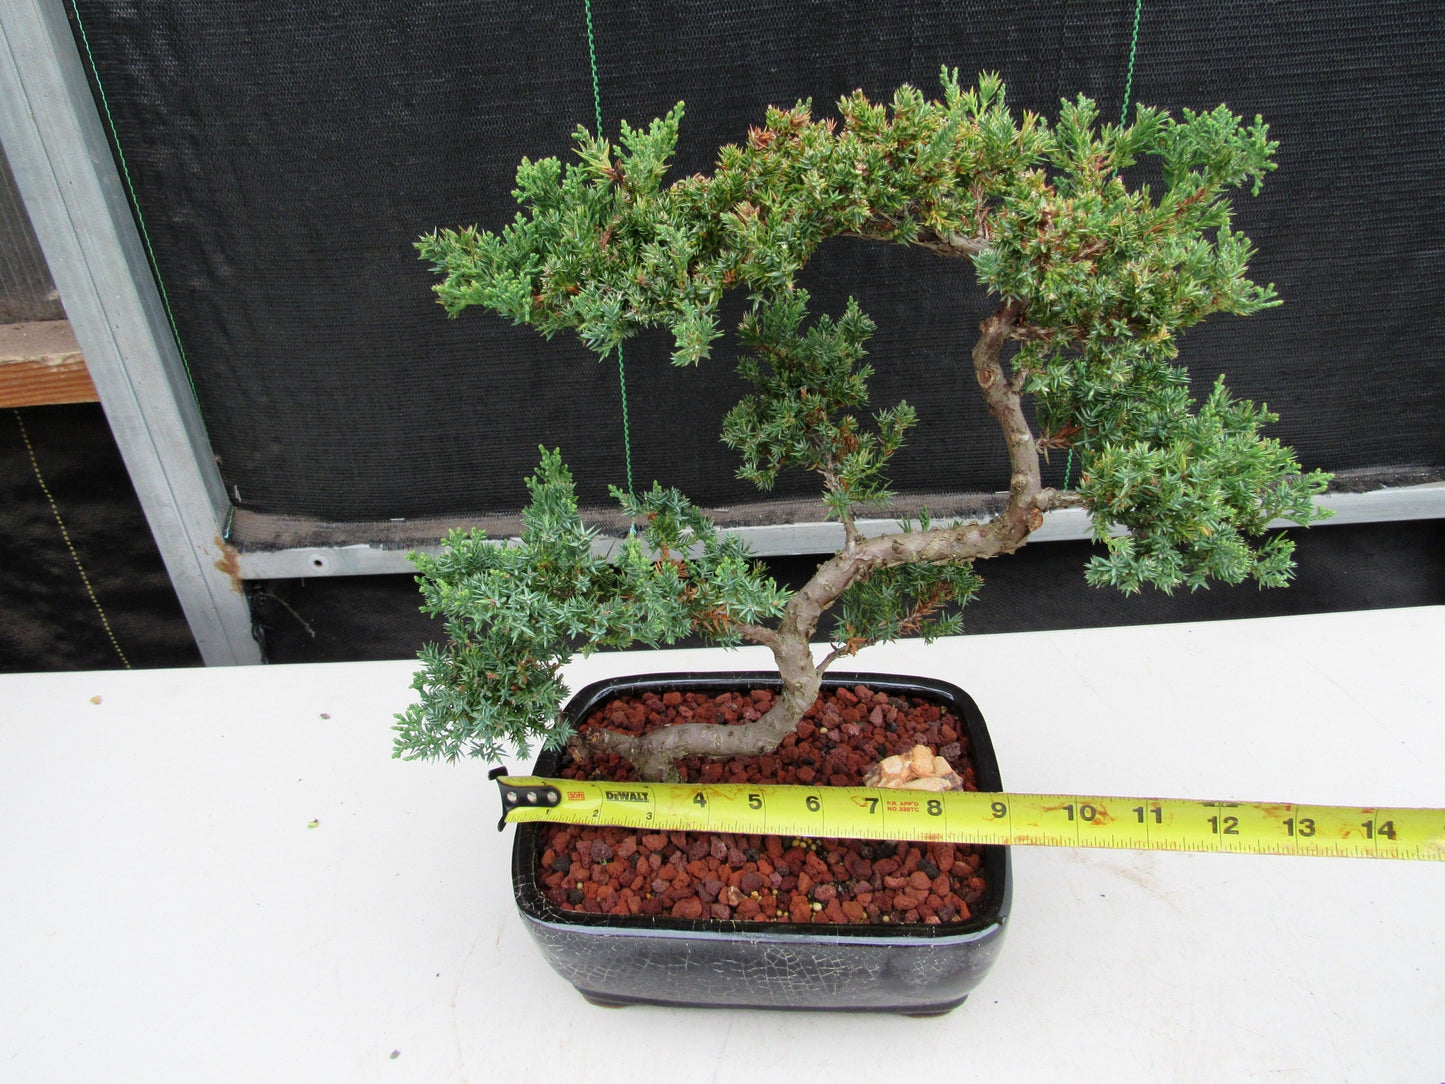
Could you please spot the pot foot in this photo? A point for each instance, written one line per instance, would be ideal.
(603, 1002)
(931, 1013)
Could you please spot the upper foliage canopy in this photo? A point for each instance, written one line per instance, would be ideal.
(604, 249)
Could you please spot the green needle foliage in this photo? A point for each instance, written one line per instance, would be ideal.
(515, 612)
(807, 383)
(1094, 279)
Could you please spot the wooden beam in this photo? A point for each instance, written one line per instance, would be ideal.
(41, 365)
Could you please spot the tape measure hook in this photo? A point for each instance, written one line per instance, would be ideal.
(516, 796)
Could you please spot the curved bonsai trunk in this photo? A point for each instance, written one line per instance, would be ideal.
(655, 754)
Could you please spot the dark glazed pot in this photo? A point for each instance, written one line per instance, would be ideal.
(917, 969)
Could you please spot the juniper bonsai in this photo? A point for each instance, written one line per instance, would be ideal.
(1094, 280)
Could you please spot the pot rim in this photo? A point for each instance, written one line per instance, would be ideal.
(992, 909)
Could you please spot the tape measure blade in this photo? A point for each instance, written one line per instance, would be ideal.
(1419, 833)
(1049, 820)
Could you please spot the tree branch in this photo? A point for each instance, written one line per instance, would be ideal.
(840, 651)
(1065, 498)
(758, 634)
(851, 534)
(952, 244)
(655, 754)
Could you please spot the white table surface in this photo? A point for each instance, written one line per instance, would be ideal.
(167, 912)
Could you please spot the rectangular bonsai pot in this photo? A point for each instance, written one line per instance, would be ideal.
(916, 969)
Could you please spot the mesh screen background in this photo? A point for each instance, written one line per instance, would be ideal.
(284, 158)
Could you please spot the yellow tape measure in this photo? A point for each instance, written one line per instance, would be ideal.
(1048, 820)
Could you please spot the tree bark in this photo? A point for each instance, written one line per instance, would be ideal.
(655, 754)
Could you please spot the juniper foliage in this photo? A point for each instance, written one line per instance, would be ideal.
(1095, 280)
(515, 611)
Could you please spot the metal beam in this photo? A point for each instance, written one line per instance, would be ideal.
(783, 539)
(63, 167)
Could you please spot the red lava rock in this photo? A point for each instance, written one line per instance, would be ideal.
(697, 875)
(690, 907)
(904, 900)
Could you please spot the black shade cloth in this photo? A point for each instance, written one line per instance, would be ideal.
(285, 157)
(50, 617)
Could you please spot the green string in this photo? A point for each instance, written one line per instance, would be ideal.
(1129, 79)
(592, 56)
(1123, 120)
(621, 369)
(135, 206)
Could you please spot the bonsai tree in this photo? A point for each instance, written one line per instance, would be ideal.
(1093, 280)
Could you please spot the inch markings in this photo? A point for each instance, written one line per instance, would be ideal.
(1047, 820)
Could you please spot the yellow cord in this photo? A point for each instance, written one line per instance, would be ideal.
(74, 556)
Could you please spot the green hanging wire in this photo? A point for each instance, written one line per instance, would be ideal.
(1123, 120)
(1133, 50)
(621, 369)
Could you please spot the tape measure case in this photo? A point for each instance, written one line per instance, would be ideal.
(915, 968)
